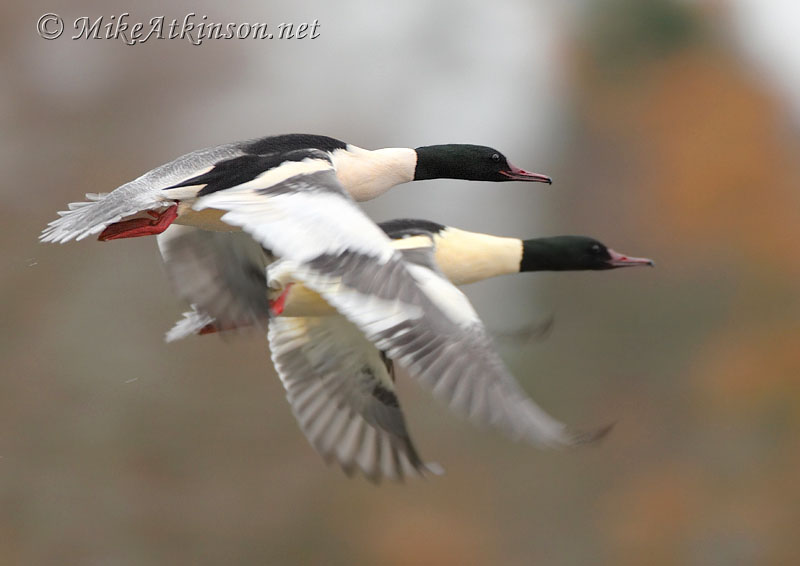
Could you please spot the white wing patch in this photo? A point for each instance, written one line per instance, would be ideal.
(300, 224)
(446, 296)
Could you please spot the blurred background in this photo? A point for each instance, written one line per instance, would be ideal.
(672, 130)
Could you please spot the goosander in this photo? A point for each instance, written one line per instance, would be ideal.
(339, 380)
(339, 384)
(167, 194)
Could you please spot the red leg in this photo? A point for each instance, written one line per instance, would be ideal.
(279, 304)
(140, 226)
(209, 328)
(213, 327)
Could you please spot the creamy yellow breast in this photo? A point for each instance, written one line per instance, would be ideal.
(466, 257)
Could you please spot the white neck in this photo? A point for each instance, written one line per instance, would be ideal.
(465, 257)
(366, 174)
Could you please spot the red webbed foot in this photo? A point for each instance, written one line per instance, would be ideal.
(140, 226)
(279, 304)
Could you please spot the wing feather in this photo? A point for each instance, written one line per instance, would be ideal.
(331, 375)
(83, 219)
(222, 274)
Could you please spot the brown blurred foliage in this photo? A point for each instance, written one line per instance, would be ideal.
(717, 176)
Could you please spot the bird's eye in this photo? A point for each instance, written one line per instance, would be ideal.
(495, 157)
(595, 248)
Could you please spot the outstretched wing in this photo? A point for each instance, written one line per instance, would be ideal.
(83, 219)
(301, 213)
(342, 394)
(144, 193)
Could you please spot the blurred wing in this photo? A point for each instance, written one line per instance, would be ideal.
(83, 219)
(445, 346)
(301, 213)
(341, 392)
(222, 274)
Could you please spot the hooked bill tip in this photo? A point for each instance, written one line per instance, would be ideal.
(621, 260)
(516, 174)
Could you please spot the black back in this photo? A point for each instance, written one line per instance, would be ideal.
(238, 170)
(291, 142)
(409, 227)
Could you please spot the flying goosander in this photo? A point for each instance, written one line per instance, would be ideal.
(340, 385)
(167, 193)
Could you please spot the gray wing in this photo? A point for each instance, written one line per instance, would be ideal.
(445, 345)
(144, 193)
(221, 274)
(421, 320)
(341, 392)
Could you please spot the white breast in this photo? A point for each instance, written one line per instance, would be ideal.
(367, 174)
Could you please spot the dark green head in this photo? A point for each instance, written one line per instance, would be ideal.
(469, 162)
(573, 253)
